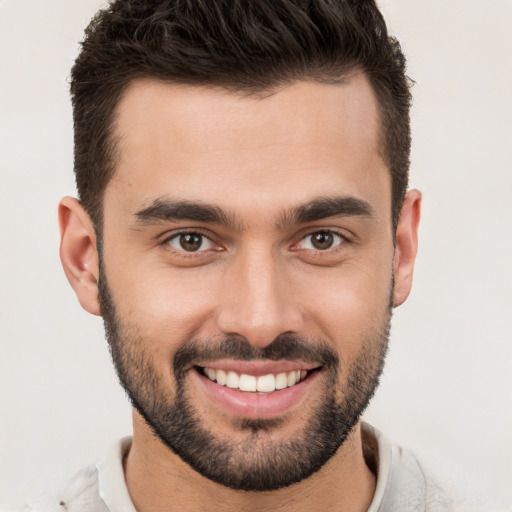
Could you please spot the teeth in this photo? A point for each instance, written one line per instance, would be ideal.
(266, 383)
(232, 380)
(247, 382)
(220, 377)
(281, 381)
(263, 384)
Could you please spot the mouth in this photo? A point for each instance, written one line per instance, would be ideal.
(256, 390)
(251, 383)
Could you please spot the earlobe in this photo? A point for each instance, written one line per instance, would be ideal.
(406, 246)
(78, 253)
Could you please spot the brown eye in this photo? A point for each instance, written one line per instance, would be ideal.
(190, 242)
(321, 241)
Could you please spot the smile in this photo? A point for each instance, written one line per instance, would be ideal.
(251, 383)
(254, 390)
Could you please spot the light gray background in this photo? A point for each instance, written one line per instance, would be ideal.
(447, 389)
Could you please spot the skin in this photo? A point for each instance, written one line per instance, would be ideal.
(256, 159)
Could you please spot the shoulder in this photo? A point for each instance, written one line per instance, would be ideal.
(406, 483)
(418, 486)
(81, 494)
(97, 488)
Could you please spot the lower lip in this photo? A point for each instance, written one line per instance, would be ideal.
(255, 405)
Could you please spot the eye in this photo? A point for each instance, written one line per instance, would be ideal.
(190, 242)
(321, 241)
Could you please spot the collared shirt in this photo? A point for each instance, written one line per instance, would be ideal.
(403, 483)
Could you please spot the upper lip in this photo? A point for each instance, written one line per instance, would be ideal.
(257, 368)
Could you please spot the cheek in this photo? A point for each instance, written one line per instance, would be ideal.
(166, 307)
(348, 304)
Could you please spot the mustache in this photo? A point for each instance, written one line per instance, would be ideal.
(286, 346)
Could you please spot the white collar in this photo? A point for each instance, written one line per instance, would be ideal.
(383, 464)
(112, 485)
(114, 492)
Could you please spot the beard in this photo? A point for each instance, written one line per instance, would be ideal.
(257, 463)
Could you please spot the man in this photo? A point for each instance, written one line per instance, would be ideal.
(245, 230)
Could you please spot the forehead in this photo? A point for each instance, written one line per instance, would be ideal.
(204, 144)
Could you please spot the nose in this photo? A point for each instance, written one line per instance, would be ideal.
(258, 302)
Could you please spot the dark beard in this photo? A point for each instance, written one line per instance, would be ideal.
(256, 463)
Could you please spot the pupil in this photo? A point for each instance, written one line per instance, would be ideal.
(322, 240)
(190, 242)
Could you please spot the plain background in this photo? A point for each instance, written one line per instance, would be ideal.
(447, 388)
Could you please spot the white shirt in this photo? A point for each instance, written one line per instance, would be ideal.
(403, 484)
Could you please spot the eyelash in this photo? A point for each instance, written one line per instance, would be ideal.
(188, 254)
(342, 241)
(182, 252)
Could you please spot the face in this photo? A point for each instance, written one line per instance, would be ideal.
(247, 272)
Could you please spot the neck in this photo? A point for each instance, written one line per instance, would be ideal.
(158, 480)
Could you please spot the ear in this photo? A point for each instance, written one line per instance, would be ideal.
(406, 246)
(78, 253)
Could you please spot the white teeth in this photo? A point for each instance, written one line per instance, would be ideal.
(220, 377)
(232, 380)
(247, 382)
(266, 383)
(281, 381)
(263, 384)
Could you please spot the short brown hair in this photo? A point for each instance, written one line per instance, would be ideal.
(246, 46)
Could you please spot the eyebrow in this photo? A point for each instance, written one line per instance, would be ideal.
(326, 207)
(167, 210)
(173, 210)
